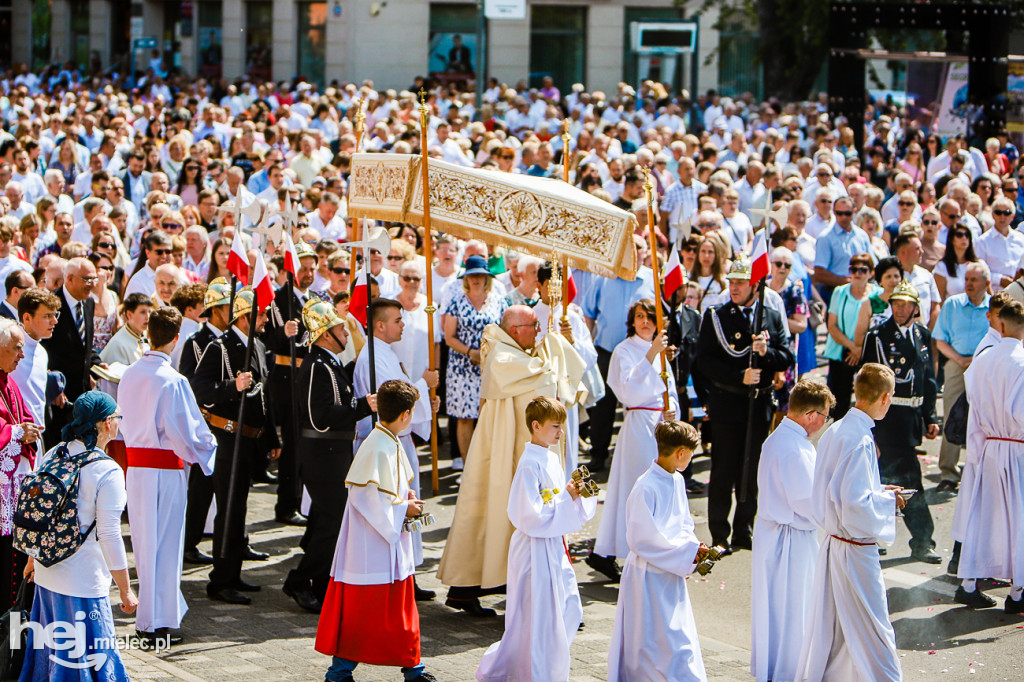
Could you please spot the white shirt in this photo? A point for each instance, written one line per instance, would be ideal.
(335, 229)
(815, 226)
(143, 281)
(1001, 254)
(926, 290)
(30, 376)
(7, 266)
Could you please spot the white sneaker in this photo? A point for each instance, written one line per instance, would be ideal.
(457, 464)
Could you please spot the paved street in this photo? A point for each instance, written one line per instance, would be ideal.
(272, 639)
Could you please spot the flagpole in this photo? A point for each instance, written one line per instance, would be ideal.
(428, 254)
(748, 446)
(656, 276)
(565, 259)
(357, 225)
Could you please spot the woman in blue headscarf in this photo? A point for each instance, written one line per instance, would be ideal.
(76, 590)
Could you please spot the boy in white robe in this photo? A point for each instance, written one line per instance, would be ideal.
(849, 633)
(544, 610)
(785, 536)
(992, 544)
(369, 614)
(655, 636)
(634, 373)
(163, 430)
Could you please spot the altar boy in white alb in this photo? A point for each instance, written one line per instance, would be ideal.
(849, 634)
(543, 609)
(655, 636)
(785, 536)
(163, 430)
(387, 329)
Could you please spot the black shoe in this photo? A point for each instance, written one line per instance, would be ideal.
(264, 477)
(950, 487)
(194, 556)
(882, 551)
(1012, 605)
(470, 606)
(695, 487)
(243, 586)
(604, 565)
(161, 637)
(422, 594)
(424, 677)
(304, 598)
(926, 556)
(596, 464)
(251, 554)
(973, 600)
(227, 594)
(745, 543)
(294, 519)
(953, 566)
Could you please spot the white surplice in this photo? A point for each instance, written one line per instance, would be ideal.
(638, 386)
(784, 551)
(125, 347)
(160, 411)
(388, 368)
(993, 541)
(583, 343)
(849, 633)
(655, 636)
(964, 492)
(543, 608)
(412, 348)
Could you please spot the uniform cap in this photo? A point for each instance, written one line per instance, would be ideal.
(740, 269)
(243, 304)
(905, 291)
(217, 293)
(304, 250)
(318, 316)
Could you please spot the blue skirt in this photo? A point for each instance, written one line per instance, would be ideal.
(88, 651)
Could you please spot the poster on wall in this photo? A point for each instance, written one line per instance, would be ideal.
(452, 52)
(952, 114)
(1015, 101)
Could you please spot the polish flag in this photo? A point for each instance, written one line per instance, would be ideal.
(261, 284)
(291, 259)
(238, 262)
(570, 287)
(360, 297)
(673, 275)
(759, 257)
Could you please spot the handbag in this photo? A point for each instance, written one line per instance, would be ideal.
(816, 314)
(12, 658)
(955, 428)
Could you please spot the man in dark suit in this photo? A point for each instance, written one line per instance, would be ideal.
(459, 58)
(221, 378)
(70, 348)
(137, 179)
(723, 360)
(328, 414)
(15, 285)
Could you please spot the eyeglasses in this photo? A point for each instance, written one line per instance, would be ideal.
(823, 414)
(781, 264)
(707, 226)
(118, 417)
(962, 233)
(929, 222)
(1002, 212)
(88, 280)
(395, 258)
(106, 268)
(843, 213)
(860, 270)
(906, 203)
(1009, 189)
(172, 226)
(341, 271)
(952, 216)
(406, 278)
(105, 245)
(192, 168)
(161, 252)
(824, 201)
(535, 325)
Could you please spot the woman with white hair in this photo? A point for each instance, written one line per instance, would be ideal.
(870, 220)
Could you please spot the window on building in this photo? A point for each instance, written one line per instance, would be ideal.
(312, 40)
(453, 32)
(210, 33)
(259, 39)
(41, 26)
(557, 44)
(79, 11)
(5, 34)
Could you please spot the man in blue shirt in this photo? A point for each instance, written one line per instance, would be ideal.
(836, 246)
(962, 323)
(606, 308)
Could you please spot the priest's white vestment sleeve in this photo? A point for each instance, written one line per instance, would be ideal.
(655, 636)
(849, 633)
(543, 604)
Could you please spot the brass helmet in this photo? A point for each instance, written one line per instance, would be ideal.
(318, 316)
(243, 304)
(217, 293)
(304, 250)
(740, 269)
(905, 291)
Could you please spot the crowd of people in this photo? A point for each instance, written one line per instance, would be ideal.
(117, 221)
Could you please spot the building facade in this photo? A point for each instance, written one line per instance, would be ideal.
(388, 41)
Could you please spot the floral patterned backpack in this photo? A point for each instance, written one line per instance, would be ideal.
(46, 519)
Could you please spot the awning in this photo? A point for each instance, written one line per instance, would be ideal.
(539, 216)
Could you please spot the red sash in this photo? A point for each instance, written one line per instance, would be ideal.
(153, 458)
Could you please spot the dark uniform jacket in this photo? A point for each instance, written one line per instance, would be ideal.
(328, 412)
(723, 355)
(273, 334)
(193, 350)
(911, 360)
(214, 384)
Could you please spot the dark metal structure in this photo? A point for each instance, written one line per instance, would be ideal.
(977, 31)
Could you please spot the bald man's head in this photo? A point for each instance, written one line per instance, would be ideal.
(520, 322)
(79, 278)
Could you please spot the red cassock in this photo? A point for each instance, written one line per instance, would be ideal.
(373, 624)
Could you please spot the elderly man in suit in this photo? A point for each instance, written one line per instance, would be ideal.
(137, 179)
(70, 348)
